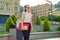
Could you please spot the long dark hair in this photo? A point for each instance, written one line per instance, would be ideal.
(25, 7)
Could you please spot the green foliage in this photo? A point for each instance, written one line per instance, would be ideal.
(44, 17)
(38, 20)
(3, 32)
(14, 18)
(7, 24)
(54, 18)
(46, 25)
(51, 18)
(10, 21)
(32, 31)
(52, 30)
(59, 27)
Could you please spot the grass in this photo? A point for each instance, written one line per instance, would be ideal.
(32, 31)
(3, 32)
(52, 30)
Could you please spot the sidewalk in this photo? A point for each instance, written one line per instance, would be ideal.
(40, 35)
(50, 39)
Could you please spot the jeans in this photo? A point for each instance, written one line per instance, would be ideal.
(19, 35)
(26, 33)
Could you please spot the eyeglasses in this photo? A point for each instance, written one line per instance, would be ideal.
(27, 6)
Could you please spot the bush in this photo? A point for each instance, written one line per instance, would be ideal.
(10, 21)
(7, 24)
(58, 28)
(14, 18)
(37, 20)
(46, 25)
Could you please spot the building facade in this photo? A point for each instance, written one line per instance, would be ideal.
(41, 10)
(9, 7)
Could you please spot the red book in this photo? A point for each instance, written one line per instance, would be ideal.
(24, 27)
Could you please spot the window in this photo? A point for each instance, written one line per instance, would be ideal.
(3, 18)
(15, 3)
(1, 2)
(38, 11)
(15, 8)
(15, 13)
(2, 7)
(8, 8)
(49, 9)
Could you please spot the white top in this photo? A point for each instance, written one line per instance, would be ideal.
(27, 17)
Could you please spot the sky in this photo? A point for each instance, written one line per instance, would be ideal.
(36, 2)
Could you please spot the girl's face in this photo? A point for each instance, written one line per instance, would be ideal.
(27, 8)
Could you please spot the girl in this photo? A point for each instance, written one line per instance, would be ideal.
(26, 19)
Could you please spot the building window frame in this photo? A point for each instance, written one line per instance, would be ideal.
(7, 7)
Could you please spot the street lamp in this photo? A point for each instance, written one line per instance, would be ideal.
(51, 9)
(50, 3)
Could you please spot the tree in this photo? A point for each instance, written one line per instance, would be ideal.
(54, 18)
(50, 17)
(38, 20)
(46, 25)
(44, 17)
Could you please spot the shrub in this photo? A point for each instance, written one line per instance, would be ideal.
(37, 20)
(46, 25)
(14, 18)
(10, 21)
(58, 28)
(7, 24)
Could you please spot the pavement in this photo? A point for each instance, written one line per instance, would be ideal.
(49, 39)
(12, 31)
